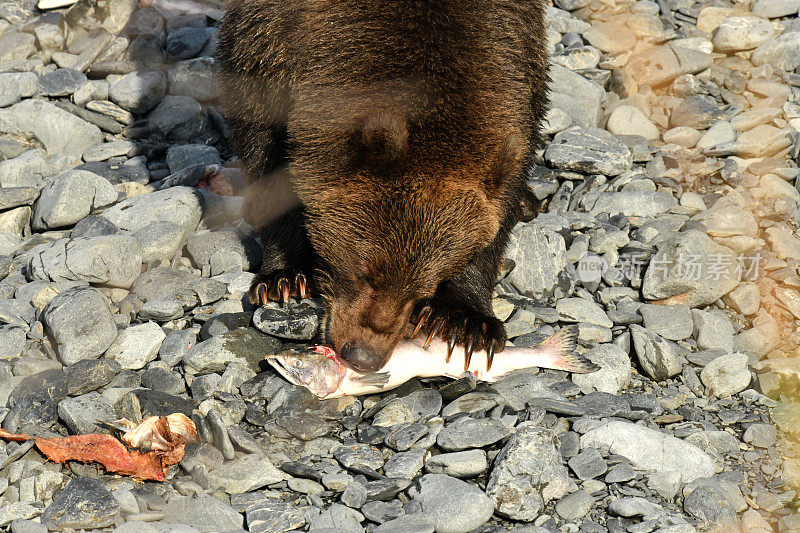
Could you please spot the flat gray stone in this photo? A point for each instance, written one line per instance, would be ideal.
(589, 150)
(135, 346)
(439, 495)
(651, 450)
(70, 197)
(204, 513)
(180, 205)
(81, 324)
(83, 504)
(83, 413)
(245, 474)
(139, 92)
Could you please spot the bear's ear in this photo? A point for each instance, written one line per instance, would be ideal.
(384, 135)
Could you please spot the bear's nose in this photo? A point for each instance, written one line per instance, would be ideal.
(361, 358)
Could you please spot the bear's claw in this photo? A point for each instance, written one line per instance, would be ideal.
(279, 287)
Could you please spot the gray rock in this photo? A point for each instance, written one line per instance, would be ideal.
(527, 473)
(194, 78)
(71, 197)
(28, 169)
(242, 345)
(726, 375)
(160, 310)
(15, 221)
(614, 374)
(180, 205)
(782, 52)
(135, 346)
(574, 506)
(658, 357)
(186, 42)
(34, 401)
(16, 45)
(12, 342)
(83, 413)
(711, 505)
(173, 284)
(245, 474)
(305, 426)
(17, 196)
(415, 523)
(697, 111)
(355, 495)
(405, 465)
(439, 495)
(651, 450)
(673, 322)
(61, 82)
(760, 435)
(359, 455)
(94, 226)
(713, 330)
(105, 151)
(17, 85)
(582, 310)
(337, 518)
(178, 117)
(110, 109)
(576, 96)
(588, 464)
(469, 432)
(60, 132)
(206, 514)
(632, 507)
(294, 321)
(634, 203)
(23, 525)
(187, 155)
(775, 8)
(89, 375)
(273, 516)
(118, 173)
(541, 270)
(160, 241)
(207, 249)
(691, 269)
(176, 345)
(113, 260)
(83, 504)
(139, 92)
(520, 387)
(464, 464)
(81, 324)
(589, 150)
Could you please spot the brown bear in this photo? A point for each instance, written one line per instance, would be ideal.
(404, 127)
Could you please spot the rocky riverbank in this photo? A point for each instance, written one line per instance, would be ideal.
(670, 237)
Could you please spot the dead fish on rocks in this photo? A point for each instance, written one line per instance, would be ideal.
(323, 372)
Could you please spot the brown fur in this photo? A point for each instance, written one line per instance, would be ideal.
(404, 127)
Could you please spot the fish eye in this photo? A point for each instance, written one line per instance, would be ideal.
(298, 363)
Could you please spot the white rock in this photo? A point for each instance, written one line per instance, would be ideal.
(650, 450)
(742, 33)
(135, 346)
(629, 120)
(726, 375)
(720, 132)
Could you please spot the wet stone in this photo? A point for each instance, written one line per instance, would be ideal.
(405, 465)
(34, 401)
(302, 425)
(469, 432)
(405, 436)
(359, 455)
(61, 82)
(588, 464)
(83, 504)
(297, 322)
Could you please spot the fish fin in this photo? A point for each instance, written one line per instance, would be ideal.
(563, 344)
(373, 379)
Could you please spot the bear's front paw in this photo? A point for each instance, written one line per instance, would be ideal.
(458, 324)
(280, 285)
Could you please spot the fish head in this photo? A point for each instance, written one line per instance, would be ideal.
(317, 369)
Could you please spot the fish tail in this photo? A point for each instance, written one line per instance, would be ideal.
(561, 345)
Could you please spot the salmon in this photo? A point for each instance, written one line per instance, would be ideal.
(323, 372)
